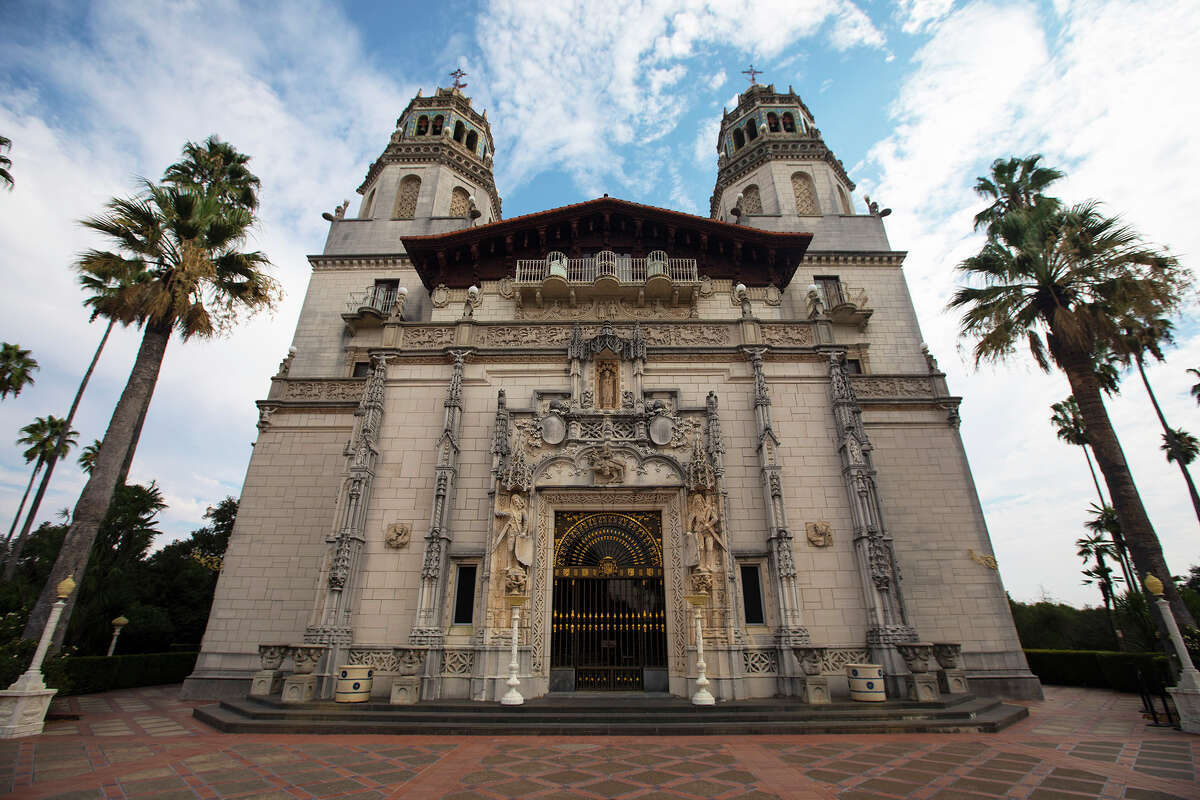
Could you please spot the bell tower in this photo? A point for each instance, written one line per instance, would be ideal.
(773, 168)
(437, 166)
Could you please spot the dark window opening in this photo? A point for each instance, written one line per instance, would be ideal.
(438, 122)
(472, 140)
(854, 366)
(751, 131)
(362, 369)
(739, 139)
(773, 123)
(831, 290)
(460, 131)
(422, 126)
(752, 594)
(789, 124)
(464, 595)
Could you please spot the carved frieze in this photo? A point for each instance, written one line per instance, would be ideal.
(337, 389)
(603, 309)
(874, 387)
(788, 335)
(424, 338)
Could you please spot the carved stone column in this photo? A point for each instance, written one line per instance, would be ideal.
(332, 623)
(428, 627)
(880, 578)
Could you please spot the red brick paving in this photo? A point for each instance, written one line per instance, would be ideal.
(143, 743)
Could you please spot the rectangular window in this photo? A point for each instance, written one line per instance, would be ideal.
(362, 369)
(752, 594)
(831, 290)
(464, 595)
(854, 366)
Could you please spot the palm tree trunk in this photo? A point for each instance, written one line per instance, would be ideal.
(59, 453)
(1135, 523)
(97, 493)
(1187, 476)
(1092, 469)
(32, 477)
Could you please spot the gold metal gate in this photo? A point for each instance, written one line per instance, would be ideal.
(609, 619)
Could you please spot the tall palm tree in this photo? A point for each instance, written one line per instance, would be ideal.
(179, 268)
(1068, 425)
(31, 456)
(1014, 183)
(1104, 521)
(87, 456)
(49, 438)
(1131, 348)
(16, 369)
(5, 162)
(1180, 446)
(1063, 280)
(1097, 547)
(1195, 386)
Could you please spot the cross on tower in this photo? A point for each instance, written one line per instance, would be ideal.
(458, 75)
(753, 73)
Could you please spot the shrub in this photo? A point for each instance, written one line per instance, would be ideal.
(1100, 669)
(90, 674)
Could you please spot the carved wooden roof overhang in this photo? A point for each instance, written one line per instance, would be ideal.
(489, 252)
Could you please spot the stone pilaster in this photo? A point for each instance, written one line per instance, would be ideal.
(332, 620)
(880, 579)
(428, 627)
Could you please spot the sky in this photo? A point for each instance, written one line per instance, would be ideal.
(587, 97)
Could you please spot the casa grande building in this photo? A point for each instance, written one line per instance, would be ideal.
(617, 419)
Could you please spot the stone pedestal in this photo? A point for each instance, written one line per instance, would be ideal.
(953, 681)
(406, 690)
(815, 690)
(266, 682)
(1187, 703)
(299, 688)
(923, 687)
(23, 711)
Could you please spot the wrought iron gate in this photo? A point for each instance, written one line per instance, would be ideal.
(609, 618)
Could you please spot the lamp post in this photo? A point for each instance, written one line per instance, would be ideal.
(1186, 693)
(23, 705)
(513, 697)
(702, 696)
(118, 623)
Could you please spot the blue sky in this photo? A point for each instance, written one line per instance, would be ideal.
(622, 97)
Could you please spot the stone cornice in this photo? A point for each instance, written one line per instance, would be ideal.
(892, 258)
(447, 153)
(321, 263)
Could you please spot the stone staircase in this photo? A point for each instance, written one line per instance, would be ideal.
(613, 714)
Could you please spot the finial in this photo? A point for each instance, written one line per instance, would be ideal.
(1153, 585)
(120, 622)
(458, 75)
(753, 73)
(65, 587)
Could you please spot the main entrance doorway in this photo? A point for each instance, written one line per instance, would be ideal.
(608, 631)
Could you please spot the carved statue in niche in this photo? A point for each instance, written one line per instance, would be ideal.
(704, 527)
(607, 384)
(513, 546)
(606, 467)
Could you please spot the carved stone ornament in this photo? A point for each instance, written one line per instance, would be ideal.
(820, 534)
(271, 655)
(554, 429)
(810, 658)
(306, 657)
(409, 660)
(398, 535)
(984, 559)
(440, 296)
(606, 467)
(513, 544)
(661, 430)
(515, 581)
(336, 389)
(702, 582)
(947, 654)
(704, 525)
(505, 287)
(917, 656)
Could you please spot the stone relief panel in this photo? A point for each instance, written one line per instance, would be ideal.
(760, 662)
(427, 338)
(603, 309)
(695, 335)
(327, 390)
(788, 335)
(873, 387)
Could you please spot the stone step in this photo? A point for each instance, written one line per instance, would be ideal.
(546, 716)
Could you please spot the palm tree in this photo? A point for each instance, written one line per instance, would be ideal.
(87, 456)
(179, 268)
(30, 455)
(1104, 521)
(1196, 385)
(49, 438)
(5, 162)
(1015, 183)
(1097, 547)
(1068, 426)
(1063, 280)
(16, 369)
(1180, 446)
(1138, 339)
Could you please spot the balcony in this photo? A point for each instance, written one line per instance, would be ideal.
(607, 274)
(847, 305)
(372, 306)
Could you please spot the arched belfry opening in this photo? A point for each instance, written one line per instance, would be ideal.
(608, 629)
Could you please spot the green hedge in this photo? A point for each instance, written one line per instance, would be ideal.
(90, 674)
(1100, 669)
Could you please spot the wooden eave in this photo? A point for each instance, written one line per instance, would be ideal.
(489, 252)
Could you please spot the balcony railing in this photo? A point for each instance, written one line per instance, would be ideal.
(625, 270)
(375, 298)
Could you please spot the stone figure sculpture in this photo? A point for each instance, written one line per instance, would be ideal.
(513, 545)
(606, 467)
(703, 523)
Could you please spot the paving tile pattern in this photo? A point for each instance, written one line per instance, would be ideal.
(144, 743)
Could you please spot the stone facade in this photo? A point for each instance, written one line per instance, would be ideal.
(763, 394)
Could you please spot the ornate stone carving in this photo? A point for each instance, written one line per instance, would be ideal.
(409, 660)
(702, 582)
(305, 658)
(891, 634)
(324, 390)
(381, 658)
(512, 546)
(873, 387)
(398, 535)
(984, 559)
(603, 309)
(698, 335)
(504, 287)
(820, 534)
(811, 658)
(427, 338)
(271, 656)
(265, 412)
(835, 659)
(917, 655)
(606, 467)
(440, 296)
(458, 662)
(760, 662)
(704, 525)
(788, 335)
(947, 654)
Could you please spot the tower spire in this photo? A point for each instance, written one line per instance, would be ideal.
(753, 74)
(458, 75)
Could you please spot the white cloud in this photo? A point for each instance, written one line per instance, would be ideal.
(717, 80)
(576, 79)
(1102, 110)
(704, 147)
(916, 16)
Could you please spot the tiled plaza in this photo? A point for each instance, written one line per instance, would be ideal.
(144, 743)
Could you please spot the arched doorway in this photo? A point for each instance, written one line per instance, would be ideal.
(608, 629)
